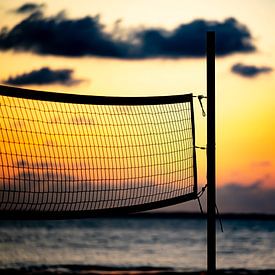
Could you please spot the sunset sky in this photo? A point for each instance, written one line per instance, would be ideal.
(144, 48)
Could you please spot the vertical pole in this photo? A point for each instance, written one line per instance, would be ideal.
(211, 155)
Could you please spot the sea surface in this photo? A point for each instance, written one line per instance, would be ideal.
(179, 243)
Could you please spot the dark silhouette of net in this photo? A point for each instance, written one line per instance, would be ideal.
(68, 155)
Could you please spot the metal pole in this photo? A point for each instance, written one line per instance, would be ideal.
(211, 156)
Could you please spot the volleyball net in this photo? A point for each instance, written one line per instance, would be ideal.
(71, 156)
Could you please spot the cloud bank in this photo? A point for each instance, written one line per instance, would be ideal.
(236, 198)
(246, 199)
(44, 76)
(249, 70)
(58, 35)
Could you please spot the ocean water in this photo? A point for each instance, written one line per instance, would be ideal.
(133, 242)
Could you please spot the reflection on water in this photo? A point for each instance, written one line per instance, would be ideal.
(177, 243)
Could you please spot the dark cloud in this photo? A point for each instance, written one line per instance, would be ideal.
(58, 35)
(44, 76)
(189, 39)
(249, 70)
(29, 8)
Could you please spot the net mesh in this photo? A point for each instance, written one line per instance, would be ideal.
(66, 157)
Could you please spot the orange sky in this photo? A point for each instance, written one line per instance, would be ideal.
(245, 106)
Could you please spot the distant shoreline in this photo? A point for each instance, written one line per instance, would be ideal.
(168, 215)
(194, 215)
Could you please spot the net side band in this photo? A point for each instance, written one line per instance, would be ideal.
(60, 215)
(89, 99)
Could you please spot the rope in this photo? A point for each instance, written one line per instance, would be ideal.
(200, 97)
(199, 194)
